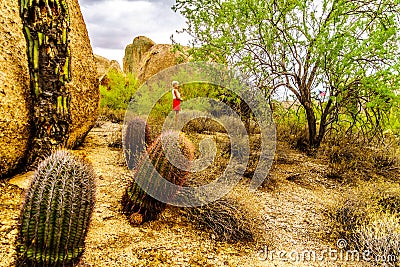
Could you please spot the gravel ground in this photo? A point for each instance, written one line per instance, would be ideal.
(290, 204)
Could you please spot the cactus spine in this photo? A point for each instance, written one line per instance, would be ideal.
(46, 25)
(135, 140)
(137, 204)
(56, 212)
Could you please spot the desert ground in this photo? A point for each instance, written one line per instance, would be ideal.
(290, 206)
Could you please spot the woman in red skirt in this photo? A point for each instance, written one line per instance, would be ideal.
(176, 99)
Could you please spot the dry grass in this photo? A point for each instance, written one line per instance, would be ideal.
(381, 238)
(368, 217)
(351, 160)
(290, 205)
(114, 140)
(115, 116)
(232, 218)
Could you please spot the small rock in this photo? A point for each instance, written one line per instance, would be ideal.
(22, 180)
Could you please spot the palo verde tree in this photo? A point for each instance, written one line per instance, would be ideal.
(346, 48)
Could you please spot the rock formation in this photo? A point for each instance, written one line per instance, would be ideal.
(134, 53)
(104, 65)
(15, 95)
(144, 58)
(84, 85)
(15, 113)
(159, 57)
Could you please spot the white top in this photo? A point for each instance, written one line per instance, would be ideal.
(176, 94)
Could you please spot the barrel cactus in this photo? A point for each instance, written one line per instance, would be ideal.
(56, 212)
(137, 204)
(135, 140)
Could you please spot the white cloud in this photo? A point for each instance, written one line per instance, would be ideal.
(113, 24)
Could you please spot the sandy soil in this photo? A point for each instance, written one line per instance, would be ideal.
(291, 208)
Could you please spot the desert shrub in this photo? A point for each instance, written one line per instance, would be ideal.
(107, 114)
(384, 159)
(250, 141)
(381, 240)
(114, 140)
(115, 95)
(345, 216)
(368, 218)
(118, 91)
(235, 124)
(200, 124)
(225, 218)
(344, 160)
(390, 203)
(232, 218)
(291, 126)
(352, 158)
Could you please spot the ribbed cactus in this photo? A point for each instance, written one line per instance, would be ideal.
(135, 140)
(137, 204)
(56, 212)
(46, 25)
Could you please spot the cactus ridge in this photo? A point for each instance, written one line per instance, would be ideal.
(137, 204)
(46, 26)
(135, 140)
(56, 213)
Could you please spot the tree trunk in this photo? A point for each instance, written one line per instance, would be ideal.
(245, 114)
(323, 125)
(46, 27)
(312, 125)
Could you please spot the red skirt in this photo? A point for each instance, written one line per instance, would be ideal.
(176, 104)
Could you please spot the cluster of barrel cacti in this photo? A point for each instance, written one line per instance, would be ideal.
(56, 212)
(138, 205)
(137, 134)
(58, 205)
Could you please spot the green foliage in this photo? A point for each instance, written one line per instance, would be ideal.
(349, 49)
(117, 90)
(198, 96)
(135, 140)
(56, 213)
(137, 204)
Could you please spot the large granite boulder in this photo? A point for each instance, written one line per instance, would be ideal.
(15, 110)
(135, 52)
(144, 58)
(15, 105)
(158, 58)
(84, 85)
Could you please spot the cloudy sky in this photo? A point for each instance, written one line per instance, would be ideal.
(113, 24)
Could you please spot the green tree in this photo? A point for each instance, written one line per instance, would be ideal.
(348, 49)
(117, 89)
